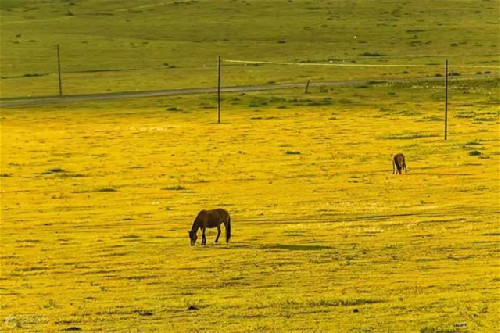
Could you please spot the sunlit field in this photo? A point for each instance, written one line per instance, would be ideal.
(97, 199)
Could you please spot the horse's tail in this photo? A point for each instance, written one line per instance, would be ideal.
(228, 228)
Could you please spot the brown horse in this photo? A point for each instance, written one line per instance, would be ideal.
(210, 219)
(398, 164)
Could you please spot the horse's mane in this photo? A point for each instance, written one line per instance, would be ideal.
(197, 220)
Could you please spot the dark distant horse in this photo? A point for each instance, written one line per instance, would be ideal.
(398, 164)
(210, 219)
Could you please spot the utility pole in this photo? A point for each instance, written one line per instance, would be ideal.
(446, 102)
(218, 90)
(59, 69)
(307, 87)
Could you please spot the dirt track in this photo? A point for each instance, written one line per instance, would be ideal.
(44, 100)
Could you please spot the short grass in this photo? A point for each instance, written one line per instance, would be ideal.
(98, 198)
(149, 44)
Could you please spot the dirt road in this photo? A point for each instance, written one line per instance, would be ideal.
(44, 100)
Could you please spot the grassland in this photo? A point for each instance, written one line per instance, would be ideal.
(148, 45)
(96, 197)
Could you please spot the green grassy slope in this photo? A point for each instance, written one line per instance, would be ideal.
(174, 44)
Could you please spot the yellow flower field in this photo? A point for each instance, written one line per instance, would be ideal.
(97, 199)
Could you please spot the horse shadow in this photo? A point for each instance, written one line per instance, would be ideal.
(295, 247)
(275, 247)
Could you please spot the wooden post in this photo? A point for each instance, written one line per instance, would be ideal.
(446, 102)
(307, 86)
(59, 69)
(218, 91)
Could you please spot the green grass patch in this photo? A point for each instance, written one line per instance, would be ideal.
(174, 188)
(432, 118)
(410, 136)
(54, 171)
(105, 189)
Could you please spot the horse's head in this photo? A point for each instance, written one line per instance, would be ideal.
(193, 237)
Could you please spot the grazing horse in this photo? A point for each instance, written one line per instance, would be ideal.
(398, 164)
(210, 219)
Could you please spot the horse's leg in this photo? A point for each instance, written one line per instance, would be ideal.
(203, 237)
(218, 234)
